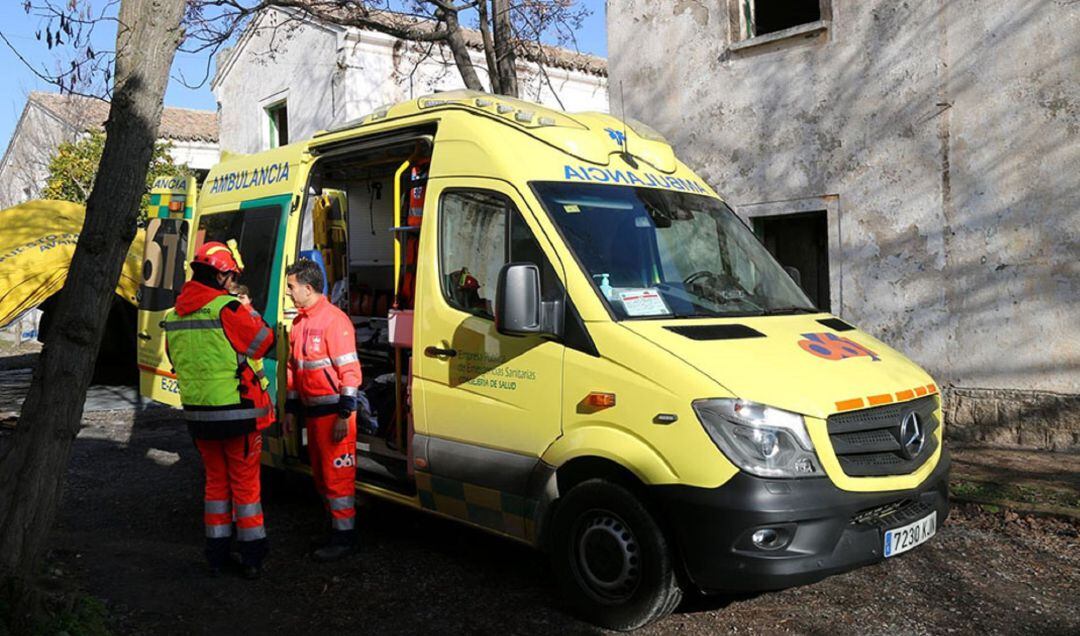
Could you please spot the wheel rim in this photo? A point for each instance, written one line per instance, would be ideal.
(606, 556)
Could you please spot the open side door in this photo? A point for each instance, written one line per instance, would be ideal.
(170, 218)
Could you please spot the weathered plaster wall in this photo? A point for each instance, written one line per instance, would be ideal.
(26, 162)
(330, 75)
(949, 133)
(298, 65)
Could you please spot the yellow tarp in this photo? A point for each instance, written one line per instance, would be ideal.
(37, 241)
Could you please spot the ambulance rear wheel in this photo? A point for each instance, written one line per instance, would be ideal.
(612, 560)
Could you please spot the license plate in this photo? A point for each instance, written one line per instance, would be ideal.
(907, 537)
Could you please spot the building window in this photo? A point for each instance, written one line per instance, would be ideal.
(770, 20)
(278, 117)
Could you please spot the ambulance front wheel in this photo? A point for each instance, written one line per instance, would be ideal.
(612, 560)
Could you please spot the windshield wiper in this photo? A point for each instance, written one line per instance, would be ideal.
(789, 309)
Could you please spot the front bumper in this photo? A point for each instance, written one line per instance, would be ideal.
(829, 530)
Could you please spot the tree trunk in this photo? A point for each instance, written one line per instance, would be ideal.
(34, 462)
(460, 50)
(489, 48)
(505, 59)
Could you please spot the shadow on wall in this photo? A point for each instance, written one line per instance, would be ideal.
(945, 134)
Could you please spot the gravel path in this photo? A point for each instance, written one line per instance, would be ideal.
(130, 532)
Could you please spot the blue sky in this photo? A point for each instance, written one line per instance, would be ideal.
(19, 28)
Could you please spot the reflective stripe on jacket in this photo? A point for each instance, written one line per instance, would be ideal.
(323, 366)
(204, 359)
(212, 341)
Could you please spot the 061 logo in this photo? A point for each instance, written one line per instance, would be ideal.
(344, 461)
(833, 347)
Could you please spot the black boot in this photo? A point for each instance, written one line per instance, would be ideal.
(217, 554)
(252, 554)
(342, 544)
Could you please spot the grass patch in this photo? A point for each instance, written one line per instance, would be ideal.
(980, 490)
(83, 615)
(71, 614)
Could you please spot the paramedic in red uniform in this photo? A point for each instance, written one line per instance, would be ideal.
(213, 342)
(324, 379)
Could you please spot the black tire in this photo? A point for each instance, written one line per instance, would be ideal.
(611, 558)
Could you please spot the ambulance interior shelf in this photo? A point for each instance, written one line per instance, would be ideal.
(361, 200)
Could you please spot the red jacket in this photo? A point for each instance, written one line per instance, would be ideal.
(324, 372)
(245, 330)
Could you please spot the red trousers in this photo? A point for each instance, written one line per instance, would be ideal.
(333, 465)
(232, 493)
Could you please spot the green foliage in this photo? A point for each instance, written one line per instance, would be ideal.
(56, 613)
(73, 168)
(83, 614)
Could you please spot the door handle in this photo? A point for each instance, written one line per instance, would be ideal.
(436, 352)
(143, 335)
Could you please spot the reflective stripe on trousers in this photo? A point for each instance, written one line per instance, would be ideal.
(219, 531)
(249, 522)
(341, 503)
(343, 523)
(217, 516)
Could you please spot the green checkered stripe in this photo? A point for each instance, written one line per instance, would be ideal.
(502, 512)
(159, 205)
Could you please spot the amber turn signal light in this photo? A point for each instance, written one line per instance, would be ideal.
(176, 206)
(600, 400)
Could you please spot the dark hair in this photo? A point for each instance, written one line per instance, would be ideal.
(307, 272)
(205, 274)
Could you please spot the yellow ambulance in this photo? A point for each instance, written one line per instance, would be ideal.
(570, 340)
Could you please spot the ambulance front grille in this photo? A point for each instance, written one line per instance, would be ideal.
(892, 514)
(868, 442)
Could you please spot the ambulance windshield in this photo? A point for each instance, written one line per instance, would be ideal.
(663, 254)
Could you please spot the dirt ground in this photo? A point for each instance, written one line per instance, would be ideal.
(129, 532)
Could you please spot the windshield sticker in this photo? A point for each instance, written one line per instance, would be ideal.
(594, 174)
(643, 302)
(833, 347)
(571, 208)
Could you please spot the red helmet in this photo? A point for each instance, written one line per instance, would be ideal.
(217, 255)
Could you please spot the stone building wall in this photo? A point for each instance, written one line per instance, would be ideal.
(943, 140)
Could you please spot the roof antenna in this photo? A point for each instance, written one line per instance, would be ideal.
(627, 157)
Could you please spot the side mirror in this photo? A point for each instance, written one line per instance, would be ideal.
(518, 308)
(794, 273)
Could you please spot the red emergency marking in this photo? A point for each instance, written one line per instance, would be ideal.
(156, 371)
(876, 400)
(849, 405)
(886, 398)
(833, 347)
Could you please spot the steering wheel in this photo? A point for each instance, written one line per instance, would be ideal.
(692, 279)
(712, 283)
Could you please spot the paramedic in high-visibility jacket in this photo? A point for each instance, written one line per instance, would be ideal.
(324, 380)
(213, 340)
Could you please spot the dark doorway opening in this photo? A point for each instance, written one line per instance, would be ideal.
(800, 241)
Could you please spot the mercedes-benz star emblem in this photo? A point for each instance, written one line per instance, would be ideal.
(912, 435)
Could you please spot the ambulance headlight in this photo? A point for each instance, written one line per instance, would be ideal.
(759, 439)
